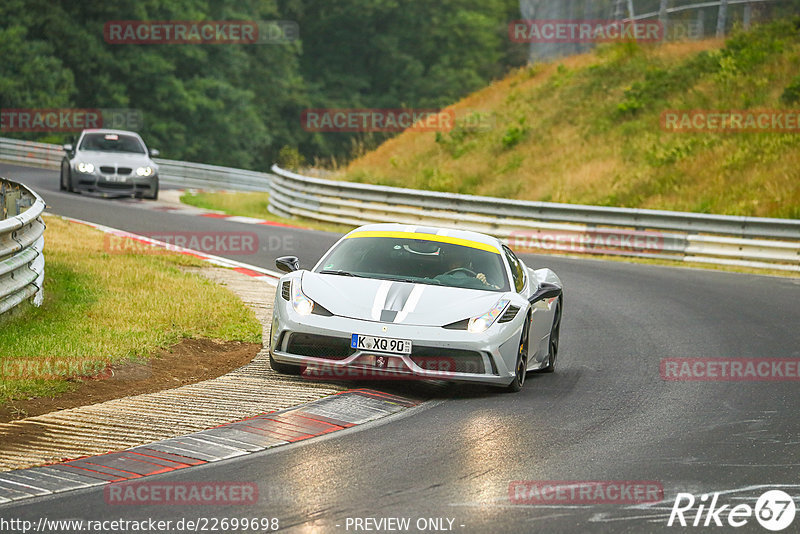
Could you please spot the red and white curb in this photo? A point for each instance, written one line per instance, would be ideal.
(330, 414)
(265, 431)
(170, 203)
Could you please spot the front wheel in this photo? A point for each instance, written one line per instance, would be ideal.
(555, 333)
(66, 179)
(521, 369)
(154, 194)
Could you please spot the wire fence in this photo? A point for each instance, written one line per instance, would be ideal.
(680, 19)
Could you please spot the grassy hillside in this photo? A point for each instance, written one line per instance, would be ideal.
(588, 130)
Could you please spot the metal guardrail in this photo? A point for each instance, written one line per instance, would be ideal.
(171, 172)
(745, 241)
(756, 242)
(21, 245)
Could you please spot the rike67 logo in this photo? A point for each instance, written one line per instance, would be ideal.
(774, 510)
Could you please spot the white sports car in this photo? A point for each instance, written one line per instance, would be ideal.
(397, 301)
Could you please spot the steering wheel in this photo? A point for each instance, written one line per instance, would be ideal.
(463, 270)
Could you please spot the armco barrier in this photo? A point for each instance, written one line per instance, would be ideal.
(21, 245)
(177, 173)
(756, 242)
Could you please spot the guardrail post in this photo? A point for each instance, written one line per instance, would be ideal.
(11, 204)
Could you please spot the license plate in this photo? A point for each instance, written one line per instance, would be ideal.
(115, 178)
(380, 344)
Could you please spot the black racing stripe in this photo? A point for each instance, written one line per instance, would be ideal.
(397, 296)
(387, 316)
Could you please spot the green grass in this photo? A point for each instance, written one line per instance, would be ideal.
(587, 130)
(103, 307)
(243, 204)
(256, 205)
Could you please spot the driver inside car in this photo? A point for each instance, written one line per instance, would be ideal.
(455, 260)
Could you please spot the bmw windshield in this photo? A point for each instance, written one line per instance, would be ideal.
(101, 142)
(414, 260)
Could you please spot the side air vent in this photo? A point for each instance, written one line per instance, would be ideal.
(286, 290)
(458, 325)
(321, 310)
(509, 314)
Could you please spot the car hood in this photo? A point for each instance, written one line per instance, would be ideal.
(399, 302)
(114, 158)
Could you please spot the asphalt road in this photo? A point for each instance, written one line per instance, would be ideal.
(606, 414)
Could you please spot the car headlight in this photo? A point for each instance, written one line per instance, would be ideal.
(144, 171)
(86, 167)
(483, 322)
(301, 303)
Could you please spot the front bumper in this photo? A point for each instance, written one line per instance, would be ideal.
(437, 354)
(130, 185)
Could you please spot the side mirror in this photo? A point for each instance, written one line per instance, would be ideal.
(545, 291)
(67, 147)
(288, 264)
(154, 153)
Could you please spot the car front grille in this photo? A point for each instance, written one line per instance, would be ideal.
(428, 358)
(122, 171)
(452, 360)
(115, 185)
(317, 346)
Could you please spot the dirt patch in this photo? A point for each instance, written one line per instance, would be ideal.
(192, 360)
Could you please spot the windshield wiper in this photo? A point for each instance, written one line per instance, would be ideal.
(340, 273)
(428, 281)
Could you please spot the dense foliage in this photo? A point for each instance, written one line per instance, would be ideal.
(240, 105)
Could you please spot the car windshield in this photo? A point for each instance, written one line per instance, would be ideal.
(105, 142)
(415, 260)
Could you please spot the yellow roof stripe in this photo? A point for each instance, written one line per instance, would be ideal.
(427, 237)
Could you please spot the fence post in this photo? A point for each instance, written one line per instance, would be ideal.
(722, 18)
(662, 12)
(701, 23)
(748, 15)
(618, 9)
